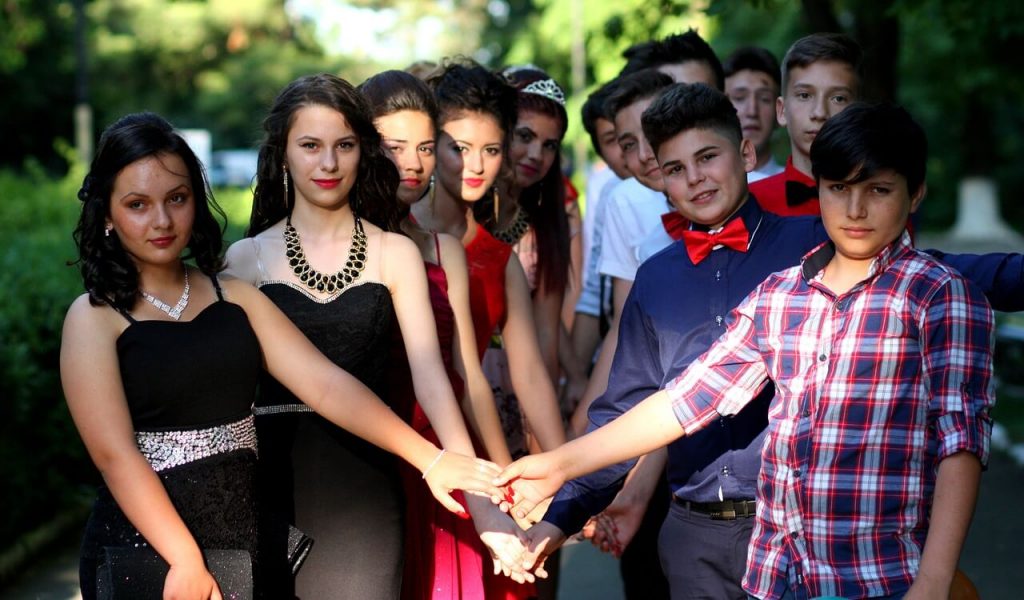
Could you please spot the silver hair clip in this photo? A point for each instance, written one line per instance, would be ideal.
(547, 88)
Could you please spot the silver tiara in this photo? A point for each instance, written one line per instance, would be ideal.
(547, 88)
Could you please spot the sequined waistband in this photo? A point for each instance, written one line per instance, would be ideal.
(277, 409)
(166, 449)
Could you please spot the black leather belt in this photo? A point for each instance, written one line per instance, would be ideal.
(726, 510)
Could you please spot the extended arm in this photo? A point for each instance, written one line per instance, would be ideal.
(720, 382)
(547, 307)
(602, 369)
(478, 402)
(999, 276)
(530, 379)
(345, 401)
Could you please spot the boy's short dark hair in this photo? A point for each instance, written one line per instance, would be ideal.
(684, 106)
(866, 138)
(636, 86)
(819, 47)
(674, 49)
(596, 108)
(753, 58)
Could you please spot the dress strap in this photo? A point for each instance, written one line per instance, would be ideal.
(125, 314)
(437, 248)
(259, 261)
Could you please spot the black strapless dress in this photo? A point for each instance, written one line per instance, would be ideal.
(190, 387)
(340, 490)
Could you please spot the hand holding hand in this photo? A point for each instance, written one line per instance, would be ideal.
(617, 525)
(451, 471)
(505, 541)
(544, 539)
(534, 479)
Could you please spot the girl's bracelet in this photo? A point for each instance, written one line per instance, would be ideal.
(433, 463)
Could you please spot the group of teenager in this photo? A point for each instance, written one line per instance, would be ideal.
(809, 395)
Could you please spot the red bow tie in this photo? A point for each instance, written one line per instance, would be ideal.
(675, 224)
(700, 243)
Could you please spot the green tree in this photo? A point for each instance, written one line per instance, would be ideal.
(37, 79)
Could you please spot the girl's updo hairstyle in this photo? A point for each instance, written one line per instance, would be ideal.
(108, 272)
(374, 193)
(537, 102)
(394, 91)
(461, 85)
(544, 201)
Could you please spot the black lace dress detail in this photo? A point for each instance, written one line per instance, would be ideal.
(338, 489)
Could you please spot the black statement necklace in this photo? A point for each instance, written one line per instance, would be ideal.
(321, 282)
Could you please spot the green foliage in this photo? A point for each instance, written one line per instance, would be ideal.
(213, 64)
(42, 461)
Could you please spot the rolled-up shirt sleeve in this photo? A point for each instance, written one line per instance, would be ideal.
(956, 346)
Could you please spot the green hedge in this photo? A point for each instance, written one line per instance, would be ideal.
(43, 464)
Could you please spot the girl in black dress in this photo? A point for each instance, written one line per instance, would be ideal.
(161, 394)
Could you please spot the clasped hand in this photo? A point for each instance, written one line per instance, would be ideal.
(529, 484)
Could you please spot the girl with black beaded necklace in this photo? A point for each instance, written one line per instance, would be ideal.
(325, 190)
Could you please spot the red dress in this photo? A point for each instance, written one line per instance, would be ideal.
(443, 554)
(487, 258)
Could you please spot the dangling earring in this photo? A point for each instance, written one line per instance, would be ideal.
(497, 204)
(433, 195)
(285, 178)
(106, 230)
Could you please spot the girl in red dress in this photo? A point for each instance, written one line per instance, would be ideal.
(443, 554)
(477, 112)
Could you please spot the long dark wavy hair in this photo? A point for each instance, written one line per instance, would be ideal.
(109, 274)
(462, 86)
(374, 194)
(544, 201)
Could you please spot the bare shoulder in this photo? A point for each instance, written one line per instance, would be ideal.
(87, 323)
(398, 248)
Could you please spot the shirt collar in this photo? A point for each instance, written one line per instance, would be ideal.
(814, 262)
(794, 174)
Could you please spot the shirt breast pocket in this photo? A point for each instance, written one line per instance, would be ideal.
(886, 345)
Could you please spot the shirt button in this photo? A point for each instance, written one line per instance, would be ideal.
(807, 412)
(822, 358)
(797, 473)
(794, 534)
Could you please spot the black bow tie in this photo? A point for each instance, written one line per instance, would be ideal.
(798, 193)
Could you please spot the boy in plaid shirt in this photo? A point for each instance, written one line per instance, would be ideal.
(882, 361)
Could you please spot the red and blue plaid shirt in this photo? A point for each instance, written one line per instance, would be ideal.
(874, 388)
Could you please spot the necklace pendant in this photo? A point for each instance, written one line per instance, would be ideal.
(176, 311)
